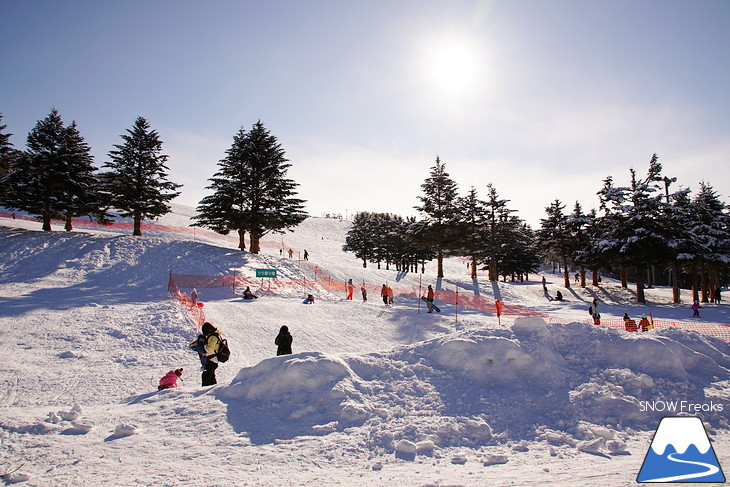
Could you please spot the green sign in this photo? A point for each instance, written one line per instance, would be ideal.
(266, 273)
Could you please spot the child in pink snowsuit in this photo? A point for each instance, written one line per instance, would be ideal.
(169, 380)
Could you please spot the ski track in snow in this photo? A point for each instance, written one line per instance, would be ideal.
(86, 319)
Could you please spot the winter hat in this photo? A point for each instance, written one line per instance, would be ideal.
(178, 372)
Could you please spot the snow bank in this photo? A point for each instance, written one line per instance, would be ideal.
(482, 387)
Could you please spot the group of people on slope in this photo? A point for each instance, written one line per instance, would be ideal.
(207, 345)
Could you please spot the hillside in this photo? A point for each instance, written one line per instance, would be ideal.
(373, 395)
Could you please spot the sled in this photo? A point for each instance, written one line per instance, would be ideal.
(8, 474)
(435, 308)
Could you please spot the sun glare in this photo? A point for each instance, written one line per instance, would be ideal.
(453, 68)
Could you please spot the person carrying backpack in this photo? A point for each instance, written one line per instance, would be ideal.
(212, 341)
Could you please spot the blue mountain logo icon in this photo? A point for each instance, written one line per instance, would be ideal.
(681, 452)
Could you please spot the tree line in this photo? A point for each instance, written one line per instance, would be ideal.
(639, 227)
(54, 177)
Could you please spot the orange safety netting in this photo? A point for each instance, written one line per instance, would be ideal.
(463, 300)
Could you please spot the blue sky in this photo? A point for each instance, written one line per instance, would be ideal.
(543, 99)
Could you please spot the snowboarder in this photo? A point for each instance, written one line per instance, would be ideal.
(212, 341)
(696, 308)
(169, 380)
(283, 341)
(429, 299)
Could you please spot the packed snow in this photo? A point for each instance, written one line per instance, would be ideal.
(373, 395)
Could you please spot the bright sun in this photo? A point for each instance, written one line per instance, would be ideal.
(453, 68)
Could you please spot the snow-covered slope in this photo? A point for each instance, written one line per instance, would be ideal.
(373, 395)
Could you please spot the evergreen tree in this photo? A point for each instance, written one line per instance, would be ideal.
(519, 256)
(8, 153)
(36, 177)
(137, 182)
(439, 206)
(359, 237)
(81, 195)
(251, 191)
(555, 238)
(579, 227)
(496, 232)
(711, 229)
(469, 227)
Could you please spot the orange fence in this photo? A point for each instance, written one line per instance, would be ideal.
(463, 300)
(195, 308)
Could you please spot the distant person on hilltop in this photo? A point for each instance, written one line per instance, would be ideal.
(283, 341)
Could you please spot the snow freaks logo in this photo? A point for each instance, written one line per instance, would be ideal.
(680, 452)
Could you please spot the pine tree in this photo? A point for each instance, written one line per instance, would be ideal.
(496, 232)
(251, 191)
(439, 206)
(81, 195)
(137, 181)
(555, 238)
(579, 227)
(359, 237)
(36, 176)
(8, 153)
(711, 228)
(469, 227)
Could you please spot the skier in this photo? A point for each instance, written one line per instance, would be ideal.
(283, 341)
(169, 380)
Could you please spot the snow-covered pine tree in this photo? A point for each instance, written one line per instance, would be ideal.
(137, 182)
(36, 178)
(711, 228)
(497, 222)
(555, 239)
(438, 204)
(579, 227)
(519, 255)
(251, 191)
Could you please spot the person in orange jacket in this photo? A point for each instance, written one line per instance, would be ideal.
(384, 293)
